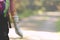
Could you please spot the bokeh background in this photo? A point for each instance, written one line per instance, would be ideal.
(37, 17)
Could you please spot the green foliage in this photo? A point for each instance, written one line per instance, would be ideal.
(25, 13)
(58, 26)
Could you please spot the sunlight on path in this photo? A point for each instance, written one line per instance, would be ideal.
(35, 35)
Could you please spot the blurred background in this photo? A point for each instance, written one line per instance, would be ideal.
(39, 19)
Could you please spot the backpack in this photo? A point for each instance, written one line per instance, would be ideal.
(2, 5)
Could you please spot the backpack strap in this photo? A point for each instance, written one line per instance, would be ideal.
(6, 7)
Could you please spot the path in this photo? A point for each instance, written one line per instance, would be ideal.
(33, 28)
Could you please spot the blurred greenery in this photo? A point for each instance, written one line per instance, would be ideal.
(26, 8)
(25, 13)
(58, 25)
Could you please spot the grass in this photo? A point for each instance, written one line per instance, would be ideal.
(58, 25)
(25, 13)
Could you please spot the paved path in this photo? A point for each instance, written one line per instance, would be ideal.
(34, 35)
(34, 28)
(35, 23)
(49, 25)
